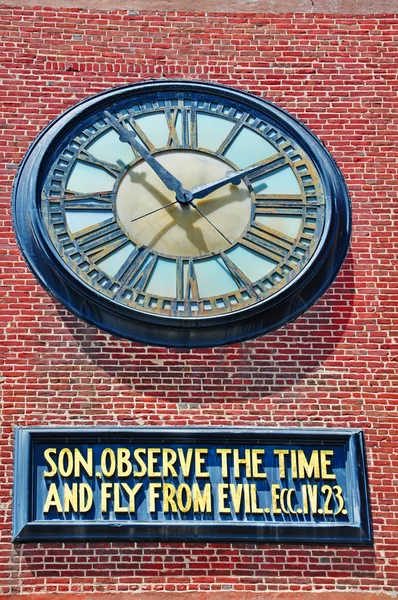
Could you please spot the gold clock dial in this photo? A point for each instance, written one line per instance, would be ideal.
(180, 229)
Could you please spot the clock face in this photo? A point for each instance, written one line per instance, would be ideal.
(181, 213)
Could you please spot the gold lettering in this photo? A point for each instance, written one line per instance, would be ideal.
(246, 495)
(86, 463)
(275, 494)
(289, 500)
(283, 493)
(201, 500)
(326, 489)
(108, 456)
(311, 468)
(124, 466)
(78, 497)
(140, 461)
(65, 470)
(117, 507)
(257, 462)
(253, 496)
(305, 499)
(281, 457)
(71, 499)
(185, 461)
(69, 462)
(86, 498)
(105, 496)
(152, 461)
(52, 499)
(169, 457)
(245, 462)
(153, 495)
(224, 453)
(294, 464)
(313, 497)
(325, 464)
(339, 496)
(169, 493)
(236, 491)
(222, 498)
(184, 490)
(52, 464)
(132, 492)
(199, 461)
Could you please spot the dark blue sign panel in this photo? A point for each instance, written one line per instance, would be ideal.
(293, 485)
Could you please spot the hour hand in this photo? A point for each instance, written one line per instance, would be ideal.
(171, 182)
(235, 177)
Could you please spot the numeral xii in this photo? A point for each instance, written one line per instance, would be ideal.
(101, 239)
(267, 241)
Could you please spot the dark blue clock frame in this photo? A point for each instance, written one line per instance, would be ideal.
(286, 516)
(99, 309)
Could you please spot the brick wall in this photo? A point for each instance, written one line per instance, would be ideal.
(335, 366)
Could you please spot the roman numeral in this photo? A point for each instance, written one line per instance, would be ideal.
(239, 277)
(171, 115)
(189, 126)
(89, 159)
(97, 201)
(279, 200)
(191, 285)
(267, 166)
(130, 268)
(269, 242)
(287, 205)
(275, 211)
(124, 271)
(141, 269)
(141, 135)
(233, 134)
(180, 279)
(100, 240)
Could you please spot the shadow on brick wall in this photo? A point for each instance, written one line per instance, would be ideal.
(308, 358)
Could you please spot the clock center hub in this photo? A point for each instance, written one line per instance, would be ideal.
(151, 215)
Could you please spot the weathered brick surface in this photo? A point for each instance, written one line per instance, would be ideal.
(219, 595)
(345, 7)
(335, 366)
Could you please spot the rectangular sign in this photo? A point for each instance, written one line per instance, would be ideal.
(292, 485)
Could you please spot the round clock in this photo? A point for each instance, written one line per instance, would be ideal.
(181, 213)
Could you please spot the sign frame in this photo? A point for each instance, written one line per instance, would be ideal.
(27, 529)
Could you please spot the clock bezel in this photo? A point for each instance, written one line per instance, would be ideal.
(126, 322)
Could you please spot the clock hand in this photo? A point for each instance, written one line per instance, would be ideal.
(154, 211)
(212, 224)
(172, 183)
(235, 177)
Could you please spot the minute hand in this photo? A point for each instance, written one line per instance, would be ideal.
(171, 182)
(200, 191)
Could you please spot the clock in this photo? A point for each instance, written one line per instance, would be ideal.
(181, 213)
